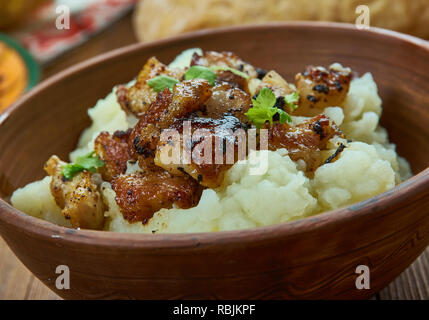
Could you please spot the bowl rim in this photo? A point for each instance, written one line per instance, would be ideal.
(44, 229)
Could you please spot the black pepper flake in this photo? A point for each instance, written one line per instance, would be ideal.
(338, 86)
(312, 98)
(136, 141)
(241, 67)
(276, 117)
(121, 134)
(321, 88)
(280, 102)
(261, 73)
(317, 127)
(142, 150)
(200, 178)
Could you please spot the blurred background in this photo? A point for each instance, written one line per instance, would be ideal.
(39, 38)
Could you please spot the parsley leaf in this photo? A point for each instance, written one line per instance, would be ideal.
(200, 72)
(291, 99)
(283, 116)
(88, 162)
(265, 99)
(263, 109)
(260, 115)
(235, 71)
(161, 82)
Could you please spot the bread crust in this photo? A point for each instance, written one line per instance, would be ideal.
(155, 19)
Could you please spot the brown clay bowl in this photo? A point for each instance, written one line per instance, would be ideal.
(311, 258)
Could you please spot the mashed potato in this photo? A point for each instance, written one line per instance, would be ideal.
(368, 166)
(237, 204)
(36, 199)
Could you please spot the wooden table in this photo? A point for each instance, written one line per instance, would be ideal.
(16, 282)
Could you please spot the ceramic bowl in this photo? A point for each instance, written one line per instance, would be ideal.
(310, 258)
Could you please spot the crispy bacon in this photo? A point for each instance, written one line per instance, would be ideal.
(320, 88)
(304, 141)
(226, 100)
(78, 198)
(138, 97)
(226, 59)
(208, 153)
(141, 194)
(113, 150)
(187, 96)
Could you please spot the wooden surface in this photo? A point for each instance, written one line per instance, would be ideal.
(16, 282)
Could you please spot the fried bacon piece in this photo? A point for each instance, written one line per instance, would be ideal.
(113, 150)
(276, 83)
(141, 194)
(279, 86)
(226, 59)
(78, 198)
(304, 141)
(320, 88)
(137, 98)
(208, 153)
(187, 96)
(226, 100)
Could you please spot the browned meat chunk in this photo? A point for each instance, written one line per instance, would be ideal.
(230, 60)
(276, 83)
(278, 86)
(140, 195)
(78, 198)
(304, 141)
(226, 100)
(320, 88)
(138, 97)
(113, 150)
(208, 153)
(187, 96)
(224, 59)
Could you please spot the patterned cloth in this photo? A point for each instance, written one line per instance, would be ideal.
(87, 17)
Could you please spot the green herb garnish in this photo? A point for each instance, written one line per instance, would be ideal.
(200, 72)
(263, 109)
(161, 82)
(88, 162)
(235, 71)
(291, 99)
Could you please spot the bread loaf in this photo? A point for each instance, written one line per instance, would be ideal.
(155, 19)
